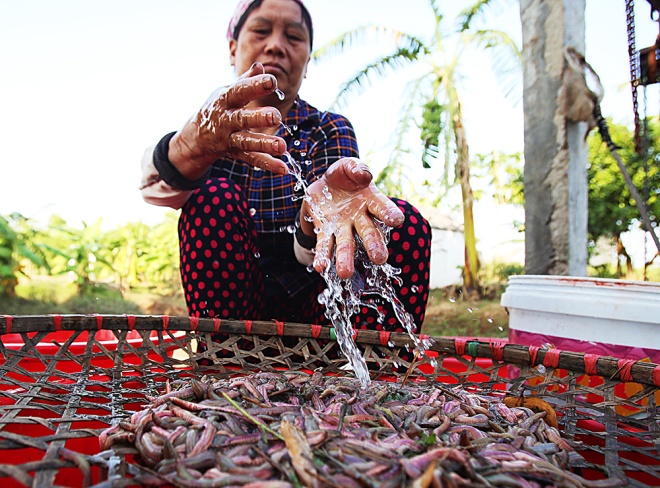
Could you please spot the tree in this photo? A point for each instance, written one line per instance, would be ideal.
(437, 94)
(17, 247)
(612, 210)
(144, 256)
(82, 252)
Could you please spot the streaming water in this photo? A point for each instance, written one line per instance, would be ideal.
(370, 285)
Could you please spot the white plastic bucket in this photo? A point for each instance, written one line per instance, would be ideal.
(602, 316)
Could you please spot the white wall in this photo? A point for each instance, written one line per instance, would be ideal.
(446, 257)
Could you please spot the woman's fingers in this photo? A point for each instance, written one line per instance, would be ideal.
(323, 252)
(384, 209)
(355, 205)
(255, 142)
(372, 238)
(348, 174)
(247, 89)
(245, 118)
(264, 161)
(345, 253)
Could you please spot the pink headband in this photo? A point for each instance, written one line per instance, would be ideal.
(242, 8)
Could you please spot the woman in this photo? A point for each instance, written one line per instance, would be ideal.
(240, 255)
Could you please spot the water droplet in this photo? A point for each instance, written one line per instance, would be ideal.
(414, 289)
(469, 309)
(452, 300)
(296, 143)
(291, 228)
(253, 212)
(500, 328)
(310, 268)
(257, 255)
(540, 368)
(280, 94)
(390, 343)
(286, 128)
(303, 154)
(489, 320)
(295, 127)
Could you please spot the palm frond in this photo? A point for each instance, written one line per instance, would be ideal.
(393, 61)
(435, 6)
(506, 60)
(393, 176)
(359, 35)
(474, 11)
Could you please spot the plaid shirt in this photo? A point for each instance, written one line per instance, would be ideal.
(318, 140)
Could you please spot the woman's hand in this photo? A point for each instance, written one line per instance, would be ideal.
(349, 201)
(222, 127)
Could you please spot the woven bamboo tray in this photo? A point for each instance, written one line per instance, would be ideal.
(63, 379)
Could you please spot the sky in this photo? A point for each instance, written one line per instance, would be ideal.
(87, 85)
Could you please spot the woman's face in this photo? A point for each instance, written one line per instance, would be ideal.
(275, 35)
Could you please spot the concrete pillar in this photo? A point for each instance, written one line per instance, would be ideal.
(555, 174)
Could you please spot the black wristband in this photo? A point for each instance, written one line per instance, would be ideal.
(305, 241)
(168, 172)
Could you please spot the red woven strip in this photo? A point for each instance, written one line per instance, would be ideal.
(166, 321)
(384, 337)
(355, 333)
(57, 320)
(99, 321)
(625, 369)
(497, 349)
(280, 327)
(248, 326)
(8, 320)
(590, 361)
(316, 331)
(533, 353)
(459, 345)
(131, 322)
(656, 376)
(194, 322)
(424, 337)
(217, 323)
(551, 358)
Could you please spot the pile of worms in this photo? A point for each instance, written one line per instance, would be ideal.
(272, 430)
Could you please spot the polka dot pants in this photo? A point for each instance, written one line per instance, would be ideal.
(222, 275)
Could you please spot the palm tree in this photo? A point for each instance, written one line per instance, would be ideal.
(437, 94)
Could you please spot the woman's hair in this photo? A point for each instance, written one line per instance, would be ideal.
(307, 19)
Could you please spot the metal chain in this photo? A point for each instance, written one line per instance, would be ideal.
(634, 69)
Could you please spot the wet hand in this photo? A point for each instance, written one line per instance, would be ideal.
(343, 201)
(224, 127)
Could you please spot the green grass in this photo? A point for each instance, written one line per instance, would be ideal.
(449, 314)
(47, 295)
